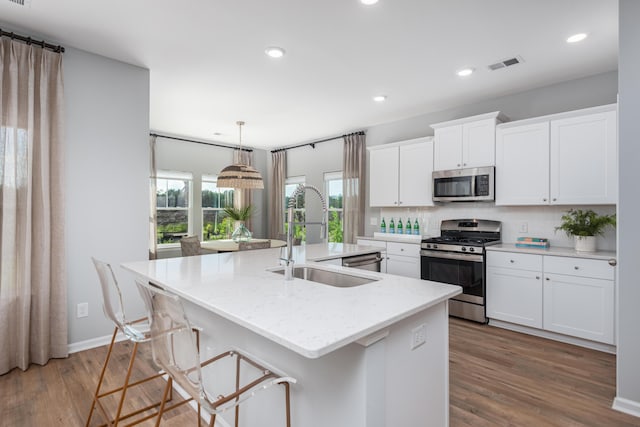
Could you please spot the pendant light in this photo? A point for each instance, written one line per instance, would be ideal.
(239, 175)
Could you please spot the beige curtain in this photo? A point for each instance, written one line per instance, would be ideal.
(153, 214)
(242, 197)
(33, 296)
(276, 204)
(354, 163)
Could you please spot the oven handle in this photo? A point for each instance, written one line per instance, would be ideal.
(452, 255)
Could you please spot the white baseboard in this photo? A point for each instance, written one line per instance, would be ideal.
(93, 343)
(607, 348)
(627, 406)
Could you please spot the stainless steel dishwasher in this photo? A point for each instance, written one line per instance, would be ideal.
(369, 262)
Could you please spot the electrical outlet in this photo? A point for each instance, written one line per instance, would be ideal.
(373, 221)
(418, 336)
(82, 310)
(524, 227)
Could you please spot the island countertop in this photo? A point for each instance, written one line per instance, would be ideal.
(309, 318)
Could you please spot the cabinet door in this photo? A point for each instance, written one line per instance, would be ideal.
(403, 266)
(415, 179)
(479, 143)
(522, 165)
(579, 306)
(584, 160)
(514, 296)
(447, 151)
(383, 176)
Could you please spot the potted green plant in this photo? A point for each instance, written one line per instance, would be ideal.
(585, 226)
(240, 215)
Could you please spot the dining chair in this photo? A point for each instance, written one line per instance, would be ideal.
(248, 246)
(190, 246)
(136, 331)
(175, 349)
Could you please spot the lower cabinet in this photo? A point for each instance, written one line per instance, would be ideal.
(571, 296)
(402, 259)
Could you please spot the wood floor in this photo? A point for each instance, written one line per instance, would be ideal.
(498, 378)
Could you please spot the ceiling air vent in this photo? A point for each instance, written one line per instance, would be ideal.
(506, 63)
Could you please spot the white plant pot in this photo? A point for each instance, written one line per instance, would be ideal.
(585, 243)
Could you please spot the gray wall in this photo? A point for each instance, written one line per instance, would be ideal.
(107, 192)
(628, 208)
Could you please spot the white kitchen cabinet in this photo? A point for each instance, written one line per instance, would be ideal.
(579, 298)
(562, 159)
(567, 295)
(584, 166)
(400, 173)
(466, 143)
(403, 259)
(522, 165)
(383, 251)
(514, 288)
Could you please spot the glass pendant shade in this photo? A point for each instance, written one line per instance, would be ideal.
(239, 175)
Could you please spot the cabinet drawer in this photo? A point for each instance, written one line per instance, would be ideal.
(405, 249)
(514, 260)
(598, 269)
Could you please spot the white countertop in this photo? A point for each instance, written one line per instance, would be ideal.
(309, 318)
(553, 250)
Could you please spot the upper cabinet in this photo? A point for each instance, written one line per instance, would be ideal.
(562, 159)
(400, 173)
(467, 142)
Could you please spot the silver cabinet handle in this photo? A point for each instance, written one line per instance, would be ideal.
(613, 262)
(576, 268)
(511, 261)
(399, 203)
(458, 164)
(464, 164)
(537, 277)
(401, 249)
(395, 203)
(554, 199)
(546, 278)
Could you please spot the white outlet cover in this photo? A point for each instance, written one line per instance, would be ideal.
(373, 221)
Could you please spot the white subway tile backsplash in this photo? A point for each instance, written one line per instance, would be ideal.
(541, 220)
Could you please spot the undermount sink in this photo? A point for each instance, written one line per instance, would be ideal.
(327, 277)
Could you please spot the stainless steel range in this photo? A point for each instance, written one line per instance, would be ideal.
(458, 257)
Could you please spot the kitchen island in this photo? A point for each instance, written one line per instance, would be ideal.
(356, 352)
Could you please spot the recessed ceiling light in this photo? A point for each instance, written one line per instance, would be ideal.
(368, 2)
(577, 38)
(380, 98)
(465, 72)
(274, 51)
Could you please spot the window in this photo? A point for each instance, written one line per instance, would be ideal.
(333, 191)
(299, 230)
(173, 198)
(215, 223)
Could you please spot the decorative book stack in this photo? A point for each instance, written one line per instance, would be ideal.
(532, 242)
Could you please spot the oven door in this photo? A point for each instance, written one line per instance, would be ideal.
(466, 270)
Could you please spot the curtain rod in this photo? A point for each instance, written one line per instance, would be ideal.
(29, 40)
(313, 144)
(249, 150)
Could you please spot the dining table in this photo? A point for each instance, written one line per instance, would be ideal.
(228, 245)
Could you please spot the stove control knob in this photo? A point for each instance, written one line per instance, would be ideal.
(428, 246)
(435, 246)
(464, 249)
(472, 250)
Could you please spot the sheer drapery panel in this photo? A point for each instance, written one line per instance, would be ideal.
(354, 163)
(33, 300)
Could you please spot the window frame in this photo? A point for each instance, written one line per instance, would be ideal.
(176, 176)
(328, 177)
(211, 179)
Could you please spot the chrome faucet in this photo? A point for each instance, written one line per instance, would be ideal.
(288, 270)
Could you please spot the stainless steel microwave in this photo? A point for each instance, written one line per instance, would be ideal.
(464, 185)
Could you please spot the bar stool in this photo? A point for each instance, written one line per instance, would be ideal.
(136, 331)
(176, 351)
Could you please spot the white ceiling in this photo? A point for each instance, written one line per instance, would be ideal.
(208, 68)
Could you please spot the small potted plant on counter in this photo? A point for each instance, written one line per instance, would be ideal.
(240, 215)
(585, 226)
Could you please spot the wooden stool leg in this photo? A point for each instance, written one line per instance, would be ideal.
(168, 387)
(101, 379)
(126, 384)
(287, 394)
